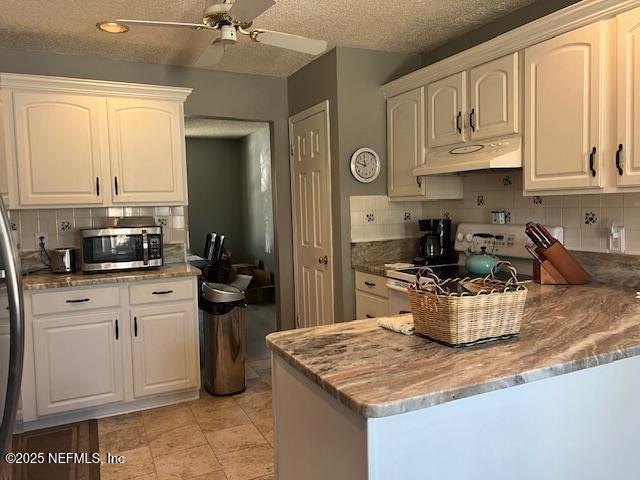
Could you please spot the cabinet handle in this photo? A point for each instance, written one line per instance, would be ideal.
(369, 284)
(98, 186)
(163, 292)
(619, 159)
(592, 157)
(472, 117)
(115, 181)
(370, 316)
(135, 326)
(419, 181)
(117, 330)
(82, 300)
(459, 122)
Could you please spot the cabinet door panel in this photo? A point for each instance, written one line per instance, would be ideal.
(405, 143)
(629, 97)
(494, 98)
(446, 110)
(147, 151)
(563, 87)
(370, 306)
(165, 349)
(59, 147)
(78, 362)
(4, 173)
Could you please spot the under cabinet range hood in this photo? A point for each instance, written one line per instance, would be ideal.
(497, 153)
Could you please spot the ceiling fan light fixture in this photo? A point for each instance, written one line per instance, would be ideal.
(110, 26)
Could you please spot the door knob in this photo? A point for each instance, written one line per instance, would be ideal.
(323, 260)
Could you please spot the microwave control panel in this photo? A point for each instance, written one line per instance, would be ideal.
(155, 246)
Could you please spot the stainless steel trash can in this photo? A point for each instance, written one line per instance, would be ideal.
(224, 365)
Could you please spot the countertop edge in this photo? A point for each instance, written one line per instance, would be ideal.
(437, 398)
(50, 280)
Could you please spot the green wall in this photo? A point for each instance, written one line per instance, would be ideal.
(216, 94)
(257, 209)
(214, 171)
(350, 79)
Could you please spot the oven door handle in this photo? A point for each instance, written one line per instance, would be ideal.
(391, 286)
(145, 247)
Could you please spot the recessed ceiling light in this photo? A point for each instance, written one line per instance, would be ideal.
(112, 27)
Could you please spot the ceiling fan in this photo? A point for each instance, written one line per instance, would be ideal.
(229, 19)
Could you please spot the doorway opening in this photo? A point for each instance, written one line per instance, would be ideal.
(230, 193)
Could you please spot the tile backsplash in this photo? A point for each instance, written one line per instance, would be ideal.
(62, 225)
(586, 218)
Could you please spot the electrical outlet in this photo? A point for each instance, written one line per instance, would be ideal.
(45, 237)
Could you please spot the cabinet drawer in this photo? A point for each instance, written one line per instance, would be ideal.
(161, 292)
(372, 284)
(370, 306)
(74, 300)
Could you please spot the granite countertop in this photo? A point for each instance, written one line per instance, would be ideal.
(375, 268)
(46, 279)
(378, 373)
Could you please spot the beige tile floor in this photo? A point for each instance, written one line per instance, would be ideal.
(213, 438)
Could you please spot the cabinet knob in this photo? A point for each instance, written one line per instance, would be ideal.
(472, 119)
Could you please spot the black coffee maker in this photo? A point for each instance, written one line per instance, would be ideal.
(435, 246)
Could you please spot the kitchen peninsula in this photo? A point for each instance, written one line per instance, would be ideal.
(354, 401)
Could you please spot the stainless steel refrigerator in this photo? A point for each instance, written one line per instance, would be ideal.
(11, 336)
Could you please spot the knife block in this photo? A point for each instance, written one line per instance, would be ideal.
(559, 267)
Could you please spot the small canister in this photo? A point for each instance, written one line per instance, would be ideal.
(498, 217)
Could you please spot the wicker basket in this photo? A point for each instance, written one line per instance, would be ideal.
(494, 311)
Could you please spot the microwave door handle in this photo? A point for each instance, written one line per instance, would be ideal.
(145, 247)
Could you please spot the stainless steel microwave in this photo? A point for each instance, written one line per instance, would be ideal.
(121, 248)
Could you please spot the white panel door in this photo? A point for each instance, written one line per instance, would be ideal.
(405, 127)
(60, 143)
(563, 106)
(78, 361)
(146, 142)
(165, 349)
(628, 157)
(493, 108)
(446, 110)
(311, 195)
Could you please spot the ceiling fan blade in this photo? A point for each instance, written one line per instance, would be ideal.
(155, 23)
(289, 41)
(212, 55)
(245, 11)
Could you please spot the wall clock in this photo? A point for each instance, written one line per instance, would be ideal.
(365, 165)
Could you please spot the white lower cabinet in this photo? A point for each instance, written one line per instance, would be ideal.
(371, 296)
(78, 361)
(95, 352)
(165, 349)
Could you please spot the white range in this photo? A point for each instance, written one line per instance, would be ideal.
(509, 245)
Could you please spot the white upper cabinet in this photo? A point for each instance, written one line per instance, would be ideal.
(628, 138)
(406, 151)
(564, 94)
(4, 182)
(70, 141)
(493, 100)
(405, 143)
(446, 110)
(146, 141)
(59, 144)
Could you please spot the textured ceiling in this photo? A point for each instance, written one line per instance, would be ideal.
(214, 128)
(68, 26)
